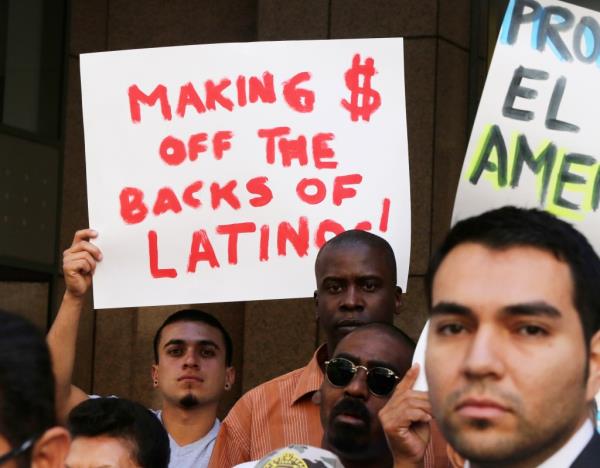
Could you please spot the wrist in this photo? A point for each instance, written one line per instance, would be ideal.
(73, 298)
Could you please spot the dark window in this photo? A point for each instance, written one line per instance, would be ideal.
(31, 66)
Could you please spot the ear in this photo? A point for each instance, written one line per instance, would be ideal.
(154, 374)
(230, 376)
(316, 302)
(398, 299)
(593, 382)
(51, 449)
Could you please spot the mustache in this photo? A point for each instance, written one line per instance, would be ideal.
(353, 407)
(478, 389)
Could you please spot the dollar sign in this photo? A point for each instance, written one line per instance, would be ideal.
(371, 100)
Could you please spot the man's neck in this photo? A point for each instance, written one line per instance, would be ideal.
(188, 425)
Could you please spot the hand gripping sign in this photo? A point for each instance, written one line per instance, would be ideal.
(216, 172)
(535, 138)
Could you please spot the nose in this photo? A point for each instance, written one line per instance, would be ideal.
(357, 387)
(484, 355)
(352, 299)
(190, 359)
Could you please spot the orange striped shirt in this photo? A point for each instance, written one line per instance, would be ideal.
(281, 412)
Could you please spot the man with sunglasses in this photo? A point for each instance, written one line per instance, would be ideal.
(365, 426)
(356, 285)
(29, 436)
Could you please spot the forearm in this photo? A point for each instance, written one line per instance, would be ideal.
(62, 342)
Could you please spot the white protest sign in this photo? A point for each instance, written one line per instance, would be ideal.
(535, 138)
(419, 358)
(215, 172)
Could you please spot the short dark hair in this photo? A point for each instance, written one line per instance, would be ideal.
(358, 236)
(26, 382)
(195, 315)
(509, 226)
(125, 420)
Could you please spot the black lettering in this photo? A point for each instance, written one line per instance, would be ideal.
(543, 162)
(516, 90)
(596, 190)
(592, 26)
(551, 31)
(519, 17)
(566, 177)
(494, 140)
(551, 121)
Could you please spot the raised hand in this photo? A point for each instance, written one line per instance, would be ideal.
(79, 262)
(405, 421)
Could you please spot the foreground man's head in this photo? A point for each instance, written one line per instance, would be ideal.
(115, 432)
(29, 435)
(513, 354)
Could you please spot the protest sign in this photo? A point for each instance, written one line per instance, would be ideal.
(216, 172)
(535, 138)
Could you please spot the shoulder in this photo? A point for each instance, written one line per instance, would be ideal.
(590, 455)
(265, 394)
(274, 384)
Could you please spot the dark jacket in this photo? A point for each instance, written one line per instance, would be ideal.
(590, 456)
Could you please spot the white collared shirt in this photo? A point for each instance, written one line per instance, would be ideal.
(569, 452)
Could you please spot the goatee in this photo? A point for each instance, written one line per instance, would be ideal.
(188, 401)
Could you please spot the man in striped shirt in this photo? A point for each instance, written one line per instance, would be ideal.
(356, 285)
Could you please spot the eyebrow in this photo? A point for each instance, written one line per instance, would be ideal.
(450, 308)
(362, 277)
(534, 309)
(178, 342)
(331, 278)
(530, 309)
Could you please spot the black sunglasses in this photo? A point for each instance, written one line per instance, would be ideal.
(14, 453)
(381, 381)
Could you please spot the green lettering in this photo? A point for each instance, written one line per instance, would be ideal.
(565, 176)
(540, 163)
(490, 145)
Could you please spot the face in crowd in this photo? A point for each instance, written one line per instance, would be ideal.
(360, 378)
(192, 360)
(100, 451)
(512, 359)
(356, 284)
(115, 432)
